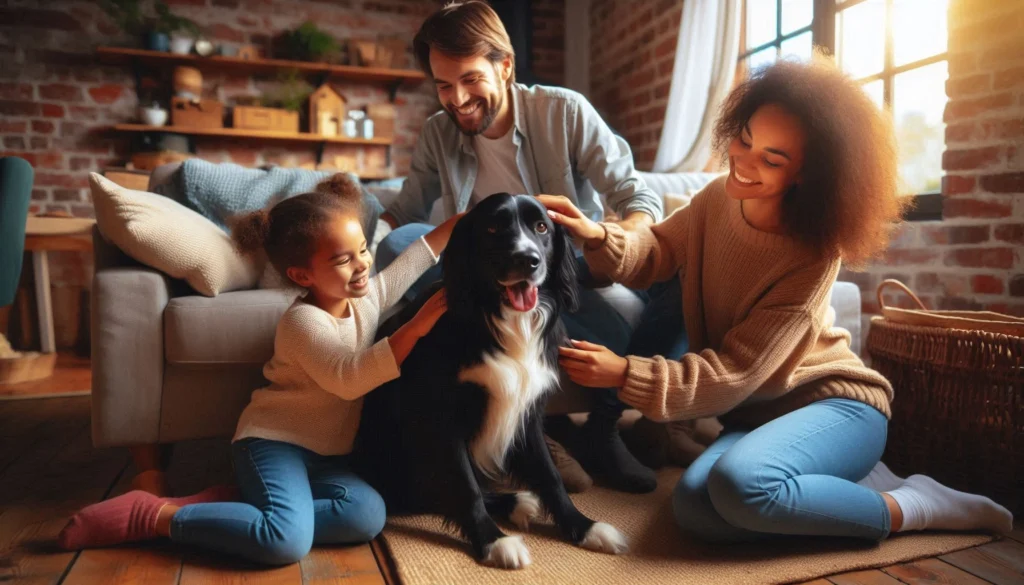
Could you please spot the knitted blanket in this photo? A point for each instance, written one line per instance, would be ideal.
(221, 191)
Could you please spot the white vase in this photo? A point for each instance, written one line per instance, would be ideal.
(181, 45)
(153, 116)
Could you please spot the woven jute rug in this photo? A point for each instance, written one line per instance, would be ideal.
(421, 552)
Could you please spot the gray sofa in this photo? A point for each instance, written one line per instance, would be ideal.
(170, 365)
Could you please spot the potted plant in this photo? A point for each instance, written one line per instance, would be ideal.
(150, 112)
(291, 94)
(153, 114)
(309, 43)
(183, 31)
(155, 28)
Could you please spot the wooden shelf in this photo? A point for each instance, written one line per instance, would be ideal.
(125, 56)
(260, 134)
(392, 79)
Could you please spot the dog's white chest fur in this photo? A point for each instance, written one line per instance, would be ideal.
(515, 378)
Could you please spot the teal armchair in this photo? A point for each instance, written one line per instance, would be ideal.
(16, 177)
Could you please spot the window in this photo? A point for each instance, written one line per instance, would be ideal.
(895, 48)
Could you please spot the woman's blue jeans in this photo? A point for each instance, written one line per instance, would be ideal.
(293, 499)
(794, 475)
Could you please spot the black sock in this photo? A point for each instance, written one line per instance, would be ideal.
(603, 453)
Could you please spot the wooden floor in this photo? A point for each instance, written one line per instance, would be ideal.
(48, 469)
(72, 377)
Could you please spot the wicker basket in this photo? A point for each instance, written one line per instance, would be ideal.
(958, 414)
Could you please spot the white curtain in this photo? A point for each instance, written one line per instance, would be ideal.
(709, 39)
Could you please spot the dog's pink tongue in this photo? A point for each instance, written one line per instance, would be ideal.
(522, 297)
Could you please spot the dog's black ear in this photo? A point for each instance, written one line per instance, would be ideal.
(457, 268)
(566, 282)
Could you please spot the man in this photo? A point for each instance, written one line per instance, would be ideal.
(498, 136)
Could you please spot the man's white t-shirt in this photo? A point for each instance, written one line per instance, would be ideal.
(496, 167)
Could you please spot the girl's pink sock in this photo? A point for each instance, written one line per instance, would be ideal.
(217, 493)
(128, 518)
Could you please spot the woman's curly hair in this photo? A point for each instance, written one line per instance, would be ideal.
(847, 200)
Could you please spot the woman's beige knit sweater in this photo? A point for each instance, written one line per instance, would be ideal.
(756, 305)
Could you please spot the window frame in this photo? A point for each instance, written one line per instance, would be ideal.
(927, 206)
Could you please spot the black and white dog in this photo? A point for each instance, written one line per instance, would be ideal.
(469, 405)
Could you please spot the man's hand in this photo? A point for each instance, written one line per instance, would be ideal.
(592, 365)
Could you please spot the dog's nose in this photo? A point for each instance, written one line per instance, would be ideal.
(528, 261)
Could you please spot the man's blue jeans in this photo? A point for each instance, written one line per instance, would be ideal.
(795, 475)
(293, 499)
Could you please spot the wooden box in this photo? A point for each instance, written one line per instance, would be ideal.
(362, 52)
(394, 51)
(386, 54)
(202, 113)
(383, 116)
(27, 367)
(270, 119)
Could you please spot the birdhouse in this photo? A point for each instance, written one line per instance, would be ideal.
(326, 111)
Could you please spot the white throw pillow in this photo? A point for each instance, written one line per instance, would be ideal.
(163, 234)
(673, 202)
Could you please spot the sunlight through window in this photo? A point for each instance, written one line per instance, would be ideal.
(896, 48)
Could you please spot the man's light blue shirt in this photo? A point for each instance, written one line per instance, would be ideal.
(563, 147)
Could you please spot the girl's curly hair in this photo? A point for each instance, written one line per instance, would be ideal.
(847, 201)
(288, 231)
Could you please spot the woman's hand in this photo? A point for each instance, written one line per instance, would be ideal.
(564, 213)
(592, 365)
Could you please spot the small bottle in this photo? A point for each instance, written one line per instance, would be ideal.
(367, 128)
(354, 124)
(349, 127)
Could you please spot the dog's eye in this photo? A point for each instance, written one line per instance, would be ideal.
(492, 230)
(542, 228)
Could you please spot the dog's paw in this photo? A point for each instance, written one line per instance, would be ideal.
(605, 538)
(527, 510)
(508, 552)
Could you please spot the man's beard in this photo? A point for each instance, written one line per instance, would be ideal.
(488, 118)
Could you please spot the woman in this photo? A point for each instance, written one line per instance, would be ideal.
(812, 182)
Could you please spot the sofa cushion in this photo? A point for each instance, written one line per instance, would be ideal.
(220, 191)
(232, 328)
(165, 235)
(846, 302)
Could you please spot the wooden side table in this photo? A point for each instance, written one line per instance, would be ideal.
(45, 234)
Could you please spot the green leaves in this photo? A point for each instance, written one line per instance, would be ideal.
(309, 43)
(129, 15)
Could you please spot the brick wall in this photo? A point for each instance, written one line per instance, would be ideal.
(633, 45)
(549, 40)
(972, 259)
(56, 101)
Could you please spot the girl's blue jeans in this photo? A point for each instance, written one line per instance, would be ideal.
(293, 499)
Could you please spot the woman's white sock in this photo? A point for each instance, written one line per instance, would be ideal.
(929, 505)
(881, 479)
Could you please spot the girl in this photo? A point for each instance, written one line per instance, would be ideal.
(812, 181)
(291, 441)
